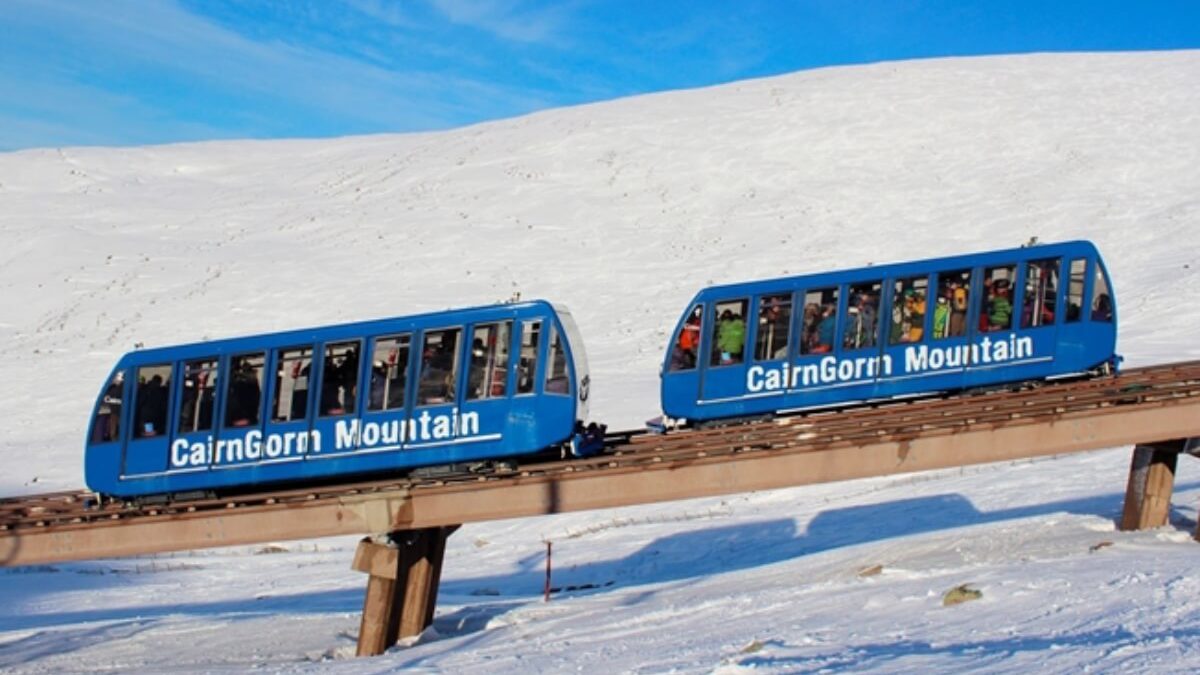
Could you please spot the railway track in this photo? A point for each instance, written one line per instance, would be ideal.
(635, 449)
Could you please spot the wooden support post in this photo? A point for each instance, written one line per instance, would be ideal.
(402, 586)
(1151, 479)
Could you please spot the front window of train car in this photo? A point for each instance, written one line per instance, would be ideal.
(558, 379)
(573, 342)
(687, 342)
(1075, 282)
(106, 424)
(1102, 305)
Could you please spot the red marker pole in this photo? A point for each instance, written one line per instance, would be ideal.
(546, 595)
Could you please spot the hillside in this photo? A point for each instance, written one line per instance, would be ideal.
(621, 211)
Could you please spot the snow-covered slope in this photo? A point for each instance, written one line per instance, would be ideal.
(621, 211)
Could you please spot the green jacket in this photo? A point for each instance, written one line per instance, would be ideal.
(1001, 311)
(731, 336)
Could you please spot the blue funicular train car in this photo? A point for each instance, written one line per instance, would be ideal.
(376, 396)
(763, 347)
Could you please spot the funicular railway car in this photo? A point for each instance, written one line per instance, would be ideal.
(442, 388)
(763, 347)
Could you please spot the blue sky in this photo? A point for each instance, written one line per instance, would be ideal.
(133, 72)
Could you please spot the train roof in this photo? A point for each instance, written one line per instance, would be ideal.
(340, 331)
(873, 272)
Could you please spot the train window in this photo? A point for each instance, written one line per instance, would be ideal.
(1041, 293)
(488, 373)
(531, 338)
(291, 384)
(729, 333)
(439, 367)
(908, 309)
(243, 392)
(995, 308)
(1101, 300)
(953, 301)
(199, 389)
(774, 327)
(557, 377)
(150, 401)
(820, 321)
(862, 324)
(107, 424)
(389, 367)
(339, 378)
(1078, 275)
(687, 342)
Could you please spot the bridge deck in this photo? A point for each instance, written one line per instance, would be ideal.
(1140, 406)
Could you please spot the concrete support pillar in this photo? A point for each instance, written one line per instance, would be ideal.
(402, 586)
(1151, 479)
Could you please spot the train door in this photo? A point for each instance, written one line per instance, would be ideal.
(385, 421)
(952, 331)
(1039, 312)
(435, 413)
(147, 441)
(286, 437)
(772, 336)
(487, 388)
(240, 410)
(337, 427)
(860, 337)
(814, 371)
(724, 369)
(904, 327)
(194, 448)
(994, 307)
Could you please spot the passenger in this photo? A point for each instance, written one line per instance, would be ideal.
(914, 304)
(108, 416)
(245, 395)
(731, 337)
(478, 368)
(812, 322)
(151, 407)
(860, 329)
(689, 337)
(681, 359)
(825, 330)
(331, 382)
(773, 327)
(999, 315)
(300, 389)
(958, 310)
(349, 377)
(378, 386)
(941, 317)
(901, 317)
(1102, 308)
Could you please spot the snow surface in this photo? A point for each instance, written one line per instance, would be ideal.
(622, 210)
